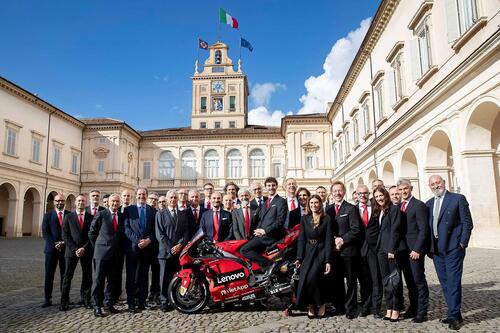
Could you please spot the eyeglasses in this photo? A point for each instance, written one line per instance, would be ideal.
(363, 193)
(208, 189)
(257, 189)
(162, 201)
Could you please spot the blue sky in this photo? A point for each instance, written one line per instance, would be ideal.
(132, 60)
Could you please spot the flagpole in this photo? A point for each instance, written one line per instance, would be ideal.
(218, 26)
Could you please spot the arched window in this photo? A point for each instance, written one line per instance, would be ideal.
(188, 162)
(234, 163)
(218, 57)
(211, 164)
(167, 165)
(257, 163)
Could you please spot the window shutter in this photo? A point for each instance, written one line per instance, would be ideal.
(391, 85)
(415, 59)
(452, 26)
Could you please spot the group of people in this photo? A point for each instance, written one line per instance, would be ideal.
(374, 241)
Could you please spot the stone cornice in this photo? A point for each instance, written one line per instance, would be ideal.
(209, 136)
(425, 6)
(382, 16)
(15, 90)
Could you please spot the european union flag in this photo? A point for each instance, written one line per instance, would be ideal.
(246, 44)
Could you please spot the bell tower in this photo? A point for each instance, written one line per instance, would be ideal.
(220, 94)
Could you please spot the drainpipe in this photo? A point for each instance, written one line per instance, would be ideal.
(373, 115)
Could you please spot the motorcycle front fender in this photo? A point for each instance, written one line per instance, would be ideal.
(185, 276)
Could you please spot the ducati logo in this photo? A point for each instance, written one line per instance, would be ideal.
(229, 277)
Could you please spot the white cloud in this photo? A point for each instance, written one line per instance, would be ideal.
(261, 92)
(98, 106)
(323, 88)
(262, 116)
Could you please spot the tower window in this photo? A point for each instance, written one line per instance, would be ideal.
(203, 104)
(218, 57)
(232, 103)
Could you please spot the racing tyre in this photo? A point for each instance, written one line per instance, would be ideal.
(194, 299)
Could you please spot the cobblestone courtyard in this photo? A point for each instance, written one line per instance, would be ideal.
(21, 294)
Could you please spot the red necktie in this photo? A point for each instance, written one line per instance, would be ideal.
(292, 205)
(60, 218)
(195, 214)
(403, 206)
(216, 225)
(115, 222)
(337, 208)
(268, 202)
(80, 220)
(247, 222)
(208, 205)
(365, 214)
(95, 211)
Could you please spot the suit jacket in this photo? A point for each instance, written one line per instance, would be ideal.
(371, 236)
(170, 232)
(272, 219)
(347, 225)
(133, 230)
(254, 205)
(238, 228)
(225, 225)
(194, 225)
(88, 210)
(414, 225)
(390, 231)
(294, 217)
(51, 230)
(74, 237)
(454, 224)
(106, 242)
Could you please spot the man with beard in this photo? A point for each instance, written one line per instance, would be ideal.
(245, 218)
(54, 246)
(450, 225)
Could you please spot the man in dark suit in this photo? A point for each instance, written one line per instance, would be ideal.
(139, 229)
(245, 218)
(94, 207)
(231, 189)
(450, 225)
(172, 231)
(208, 189)
(216, 223)
(295, 215)
(154, 290)
(259, 199)
(347, 233)
(270, 228)
(54, 246)
(106, 235)
(194, 212)
(370, 280)
(75, 234)
(415, 219)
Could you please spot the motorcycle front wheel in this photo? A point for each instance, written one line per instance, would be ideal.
(193, 300)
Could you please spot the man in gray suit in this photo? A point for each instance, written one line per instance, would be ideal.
(172, 232)
(245, 218)
(270, 227)
(106, 235)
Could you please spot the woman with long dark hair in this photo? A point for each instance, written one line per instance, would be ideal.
(314, 254)
(389, 218)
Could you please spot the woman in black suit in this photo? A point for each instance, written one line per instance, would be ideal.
(389, 241)
(314, 254)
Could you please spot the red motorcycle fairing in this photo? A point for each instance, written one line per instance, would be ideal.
(185, 275)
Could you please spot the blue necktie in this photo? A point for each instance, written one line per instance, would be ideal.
(142, 219)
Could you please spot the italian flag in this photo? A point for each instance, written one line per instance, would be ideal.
(227, 19)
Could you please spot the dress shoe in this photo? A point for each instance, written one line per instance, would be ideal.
(338, 312)
(63, 306)
(132, 309)
(409, 314)
(454, 325)
(350, 316)
(141, 307)
(386, 318)
(377, 315)
(87, 304)
(111, 309)
(364, 313)
(47, 303)
(98, 311)
(447, 321)
(394, 320)
(165, 308)
(419, 319)
(310, 316)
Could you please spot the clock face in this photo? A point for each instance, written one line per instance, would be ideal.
(218, 86)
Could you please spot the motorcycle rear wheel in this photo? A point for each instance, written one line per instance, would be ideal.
(194, 300)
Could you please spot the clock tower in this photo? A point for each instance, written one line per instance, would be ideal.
(220, 94)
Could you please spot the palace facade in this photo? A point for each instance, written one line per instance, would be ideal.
(421, 97)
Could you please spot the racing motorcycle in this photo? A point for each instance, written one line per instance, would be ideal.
(219, 274)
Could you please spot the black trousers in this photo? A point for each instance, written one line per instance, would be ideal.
(105, 273)
(136, 283)
(117, 277)
(155, 273)
(51, 261)
(418, 290)
(370, 282)
(403, 260)
(337, 293)
(86, 286)
(393, 296)
(350, 265)
(253, 249)
(168, 267)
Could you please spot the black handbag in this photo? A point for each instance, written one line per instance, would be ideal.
(392, 280)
